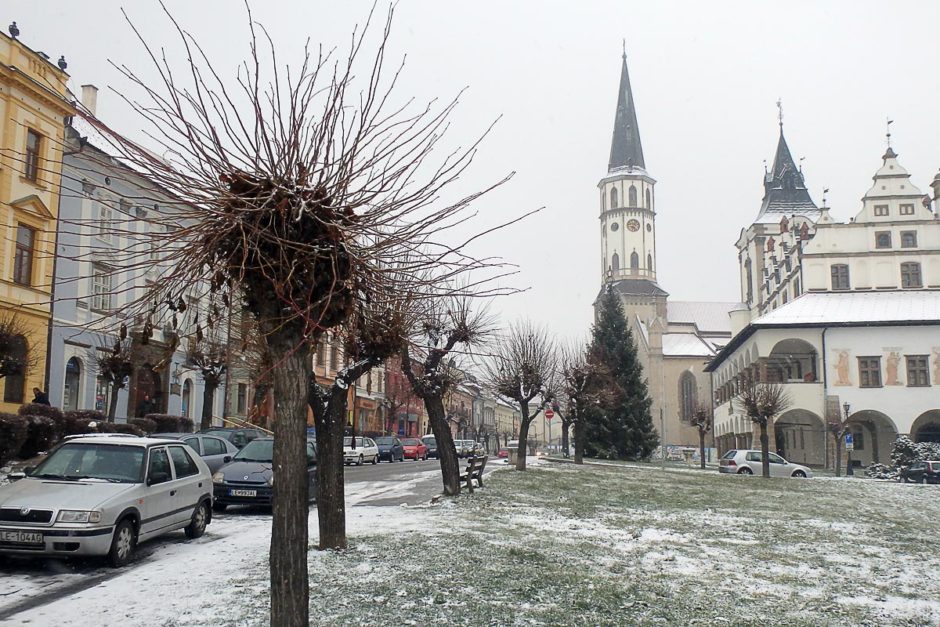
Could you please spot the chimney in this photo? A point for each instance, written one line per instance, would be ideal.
(90, 98)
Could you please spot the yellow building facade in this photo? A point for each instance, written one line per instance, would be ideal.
(33, 107)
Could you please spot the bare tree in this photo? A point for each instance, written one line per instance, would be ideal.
(303, 197)
(837, 425)
(445, 324)
(583, 387)
(522, 370)
(209, 355)
(702, 419)
(762, 403)
(16, 357)
(116, 367)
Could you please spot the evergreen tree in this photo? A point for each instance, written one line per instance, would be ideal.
(623, 427)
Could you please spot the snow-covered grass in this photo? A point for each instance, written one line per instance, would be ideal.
(592, 545)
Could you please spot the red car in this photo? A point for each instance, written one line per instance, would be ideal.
(415, 449)
(502, 453)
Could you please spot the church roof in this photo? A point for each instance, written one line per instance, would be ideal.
(625, 147)
(707, 317)
(636, 287)
(685, 345)
(785, 191)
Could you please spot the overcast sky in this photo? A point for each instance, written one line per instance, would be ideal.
(706, 77)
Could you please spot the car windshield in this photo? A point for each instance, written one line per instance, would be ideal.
(430, 441)
(411, 442)
(385, 440)
(85, 461)
(256, 451)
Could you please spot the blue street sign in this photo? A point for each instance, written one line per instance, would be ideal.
(849, 442)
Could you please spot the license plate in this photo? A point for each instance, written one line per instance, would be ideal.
(243, 493)
(21, 537)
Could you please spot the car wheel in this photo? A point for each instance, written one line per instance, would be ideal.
(197, 526)
(375, 460)
(122, 544)
(359, 463)
(745, 471)
(799, 474)
(219, 507)
(923, 479)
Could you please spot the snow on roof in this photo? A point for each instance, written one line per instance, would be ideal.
(821, 308)
(708, 317)
(685, 345)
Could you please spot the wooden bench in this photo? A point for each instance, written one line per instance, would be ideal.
(474, 470)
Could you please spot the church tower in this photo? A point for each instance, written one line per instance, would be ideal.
(627, 214)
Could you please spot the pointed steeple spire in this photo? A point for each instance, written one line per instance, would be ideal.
(625, 147)
(784, 188)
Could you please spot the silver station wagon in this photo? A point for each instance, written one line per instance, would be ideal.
(103, 495)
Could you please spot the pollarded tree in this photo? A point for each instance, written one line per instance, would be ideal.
(702, 420)
(209, 355)
(443, 325)
(116, 367)
(16, 358)
(298, 192)
(522, 369)
(837, 425)
(762, 403)
(623, 427)
(583, 388)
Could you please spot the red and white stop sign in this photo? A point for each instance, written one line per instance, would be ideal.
(549, 414)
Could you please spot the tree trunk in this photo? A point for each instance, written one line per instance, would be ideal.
(446, 450)
(288, 561)
(112, 404)
(701, 448)
(208, 399)
(523, 435)
(579, 441)
(565, 426)
(764, 451)
(838, 455)
(331, 492)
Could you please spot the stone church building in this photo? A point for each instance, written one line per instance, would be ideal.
(675, 339)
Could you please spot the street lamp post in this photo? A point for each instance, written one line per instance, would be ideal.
(849, 472)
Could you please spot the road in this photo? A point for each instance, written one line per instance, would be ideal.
(27, 586)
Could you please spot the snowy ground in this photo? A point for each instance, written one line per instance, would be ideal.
(561, 544)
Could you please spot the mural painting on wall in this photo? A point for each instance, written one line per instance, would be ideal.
(891, 368)
(842, 368)
(936, 366)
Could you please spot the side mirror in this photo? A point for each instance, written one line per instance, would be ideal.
(158, 477)
(28, 470)
(226, 459)
(16, 476)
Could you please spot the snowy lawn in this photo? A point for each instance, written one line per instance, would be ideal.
(592, 545)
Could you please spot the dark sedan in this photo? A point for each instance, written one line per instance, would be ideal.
(921, 472)
(238, 436)
(390, 448)
(431, 442)
(249, 478)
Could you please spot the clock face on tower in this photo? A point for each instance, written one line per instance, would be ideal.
(633, 225)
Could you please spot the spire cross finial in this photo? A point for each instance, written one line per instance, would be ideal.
(780, 112)
(624, 47)
(888, 123)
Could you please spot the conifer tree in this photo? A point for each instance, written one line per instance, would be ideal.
(622, 428)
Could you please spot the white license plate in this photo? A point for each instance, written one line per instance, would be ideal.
(21, 537)
(243, 493)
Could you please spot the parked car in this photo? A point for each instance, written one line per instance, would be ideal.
(414, 449)
(431, 442)
(249, 478)
(390, 448)
(748, 462)
(365, 450)
(103, 496)
(462, 449)
(502, 453)
(213, 450)
(478, 449)
(921, 472)
(239, 436)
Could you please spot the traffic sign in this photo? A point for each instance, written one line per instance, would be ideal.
(549, 414)
(849, 442)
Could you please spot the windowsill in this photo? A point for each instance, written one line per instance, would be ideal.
(870, 387)
(927, 385)
(33, 182)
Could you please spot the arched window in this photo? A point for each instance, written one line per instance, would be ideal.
(649, 202)
(603, 201)
(749, 278)
(649, 262)
(613, 197)
(632, 196)
(14, 369)
(615, 262)
(688, 396)
(73, 384)
(188, 398)
(634, 261)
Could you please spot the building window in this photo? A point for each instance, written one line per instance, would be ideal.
(101, 288)
(15, 380)
(907, 210)
(785, 297)
(603, 201)
(858, 439)
(23, 258)
(321, 353)
(105, 221)
(883, 239)
(241, 402)
(910, 274)
(615, 262)
(908, 239)
(33, 148)
(840, 276)
(613, 197)
(649, 262)
(749, 277)
(796, 287)
(634, 262)
(632, 194)
(688, 393)
(869, 372)
(334, 357)
(881, 210)
(917, 373)
(649, 200)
